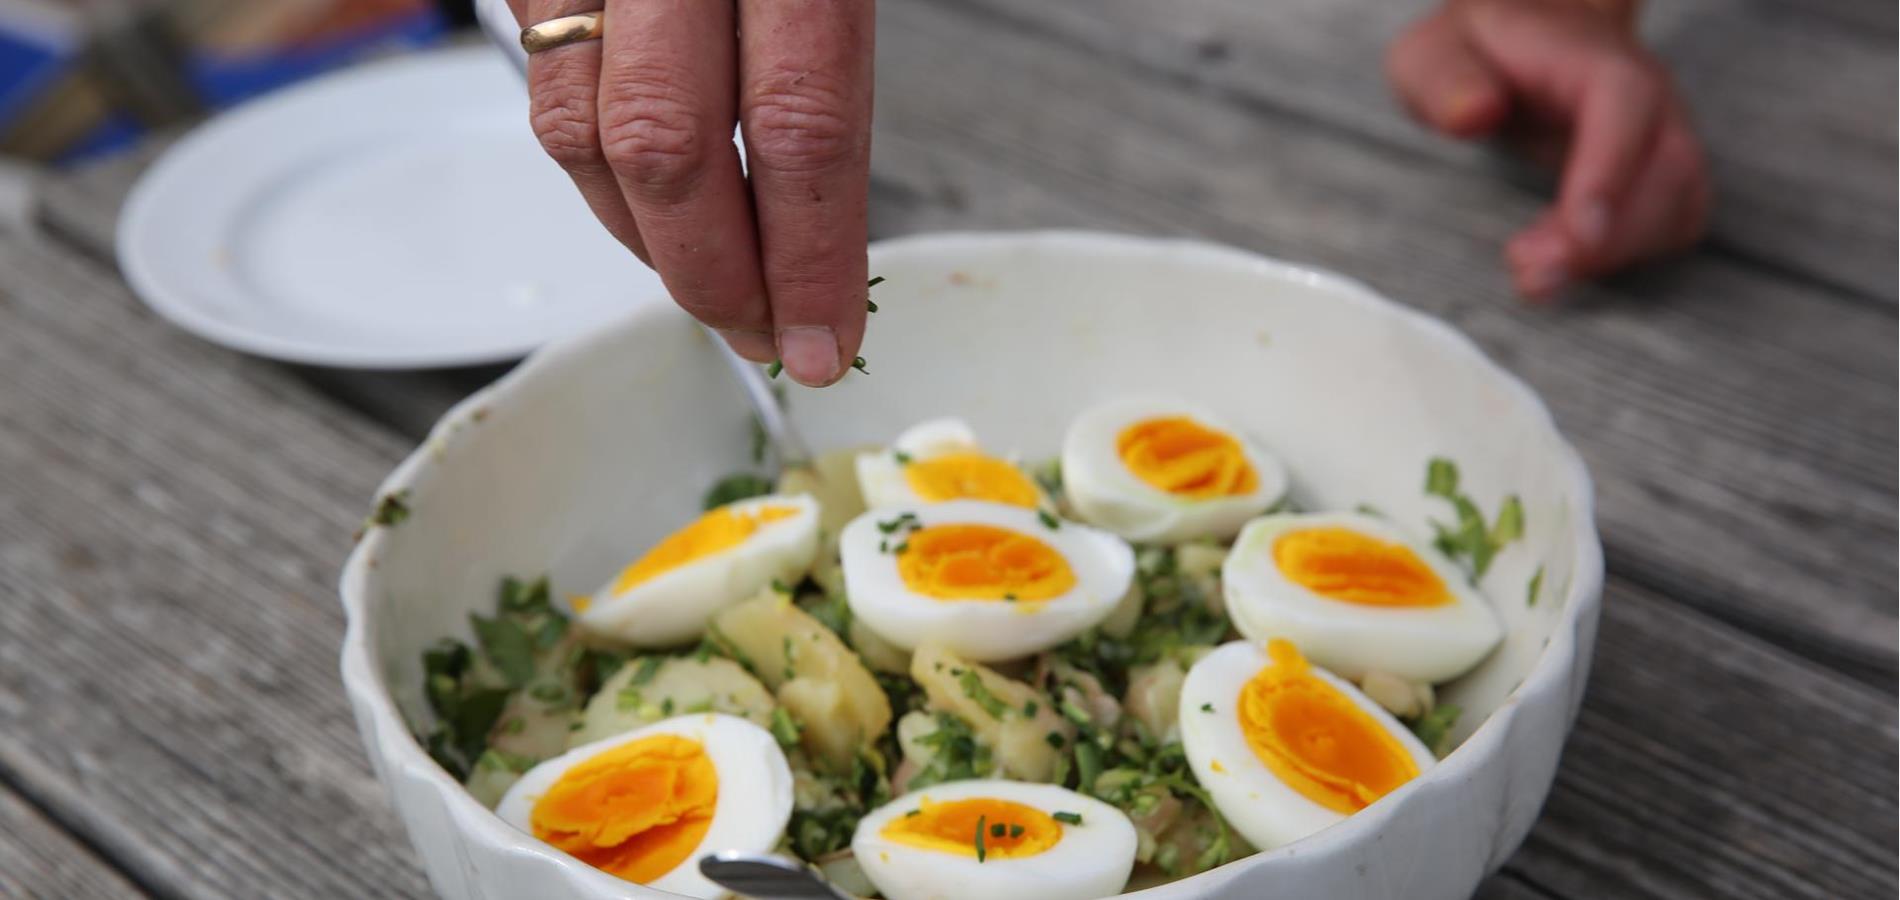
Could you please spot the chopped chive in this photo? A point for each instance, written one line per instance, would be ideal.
(1015, 831)
(777, 366)
(858, 364)
(874, 282)
(913, 812)
(1536, 585)
(1048, 521)
(647, 668)
(998, 829)
(870, 305)
(1029, 709)
(980, 852)
(1067, 818)
(666, 706)
(903, 459)
(1009, 598)
(1055, 739)
(1207, 707)
(900, 548)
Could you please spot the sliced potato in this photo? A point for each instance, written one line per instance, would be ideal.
(881, 655)
(832, 480)
(1154, 697)
(650, 688)
(1012, 718)
(1122, 619)
(819, 680)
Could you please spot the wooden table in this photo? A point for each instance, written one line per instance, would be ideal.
(172, 515)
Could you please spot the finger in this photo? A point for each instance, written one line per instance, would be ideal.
(805, 106)
(1443, 82)
(1576, 64)
(1666, 208)
(1616, 127)
(666, 115)
(563, 85)
(1540, 258)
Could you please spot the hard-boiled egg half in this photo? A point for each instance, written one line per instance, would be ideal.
(938, 461)
(646, 805)
(722, 557)
(1356, 594)
(1286, 749)
(1159, 471)
(995, 840)
(987, 581)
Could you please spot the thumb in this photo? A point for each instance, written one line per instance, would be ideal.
(1443, 81)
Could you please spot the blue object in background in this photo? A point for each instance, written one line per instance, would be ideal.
(224, 80)
(35, 49)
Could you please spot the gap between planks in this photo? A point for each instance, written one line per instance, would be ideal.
(181, 735)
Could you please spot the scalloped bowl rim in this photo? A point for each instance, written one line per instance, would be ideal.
(392, 744)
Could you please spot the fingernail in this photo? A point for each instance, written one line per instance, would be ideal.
(810, 353)
(1590, 224)
(756, 346)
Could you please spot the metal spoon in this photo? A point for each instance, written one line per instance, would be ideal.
(767, 877)
(787, 447)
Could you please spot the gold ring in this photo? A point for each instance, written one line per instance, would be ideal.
(560, 32)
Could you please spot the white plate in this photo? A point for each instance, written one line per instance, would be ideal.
(394, 215)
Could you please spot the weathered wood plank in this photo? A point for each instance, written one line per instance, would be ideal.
(1795, 100)
(170, 523)
(1741, 425)
(1711, 422)
(1708, 764)
(40, 861)
(170, 516)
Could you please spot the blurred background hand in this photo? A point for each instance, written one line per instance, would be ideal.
(642, 119)
(1568, 82)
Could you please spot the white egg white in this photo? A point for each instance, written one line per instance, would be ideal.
(981, 630)
(1429, 644)
(1265, 810)
(754, 800)
(673, 607)
(1092, 859)
(881, 476)
(1105, 493)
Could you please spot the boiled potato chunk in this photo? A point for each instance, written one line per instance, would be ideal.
(832, 480)
(650, 688)
(818, 680)
(1011, 717)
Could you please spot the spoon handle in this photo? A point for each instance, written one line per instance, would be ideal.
(767, 877)
(787, 447)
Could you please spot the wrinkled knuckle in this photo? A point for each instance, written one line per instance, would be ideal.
(653, 137)
(564, 124)
(801, 122)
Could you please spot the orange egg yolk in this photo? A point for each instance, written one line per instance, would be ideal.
(1187, 459)
(637, 811)
(1344, 565)
(1315, 739)
(982, 562)
(717, 531)
(1010, 830)
(970, 476)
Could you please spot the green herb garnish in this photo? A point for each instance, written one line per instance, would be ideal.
(903, 459)
(1067, 818)
(1470, 539)
(1015, 831)
(646, 668)
(1536, 586)
(735, 487)
(772, 370)
(1048, 520)
(998, 830)
(784, 728)
(392, 509)
(1029, 709)
(979, 693)
(857, 362)
(507, 645)
(1434, 728)
(980, 852)
(1207, 707)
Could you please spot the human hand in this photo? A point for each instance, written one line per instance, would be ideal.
(1570, 81)
(642, 120)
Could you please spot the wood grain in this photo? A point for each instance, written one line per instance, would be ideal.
(1742, 459)
(1713, 426)
(1794, 101)
(40, 861)
(171, 515)
(171, 519)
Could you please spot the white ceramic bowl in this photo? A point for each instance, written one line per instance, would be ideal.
(599, 445)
